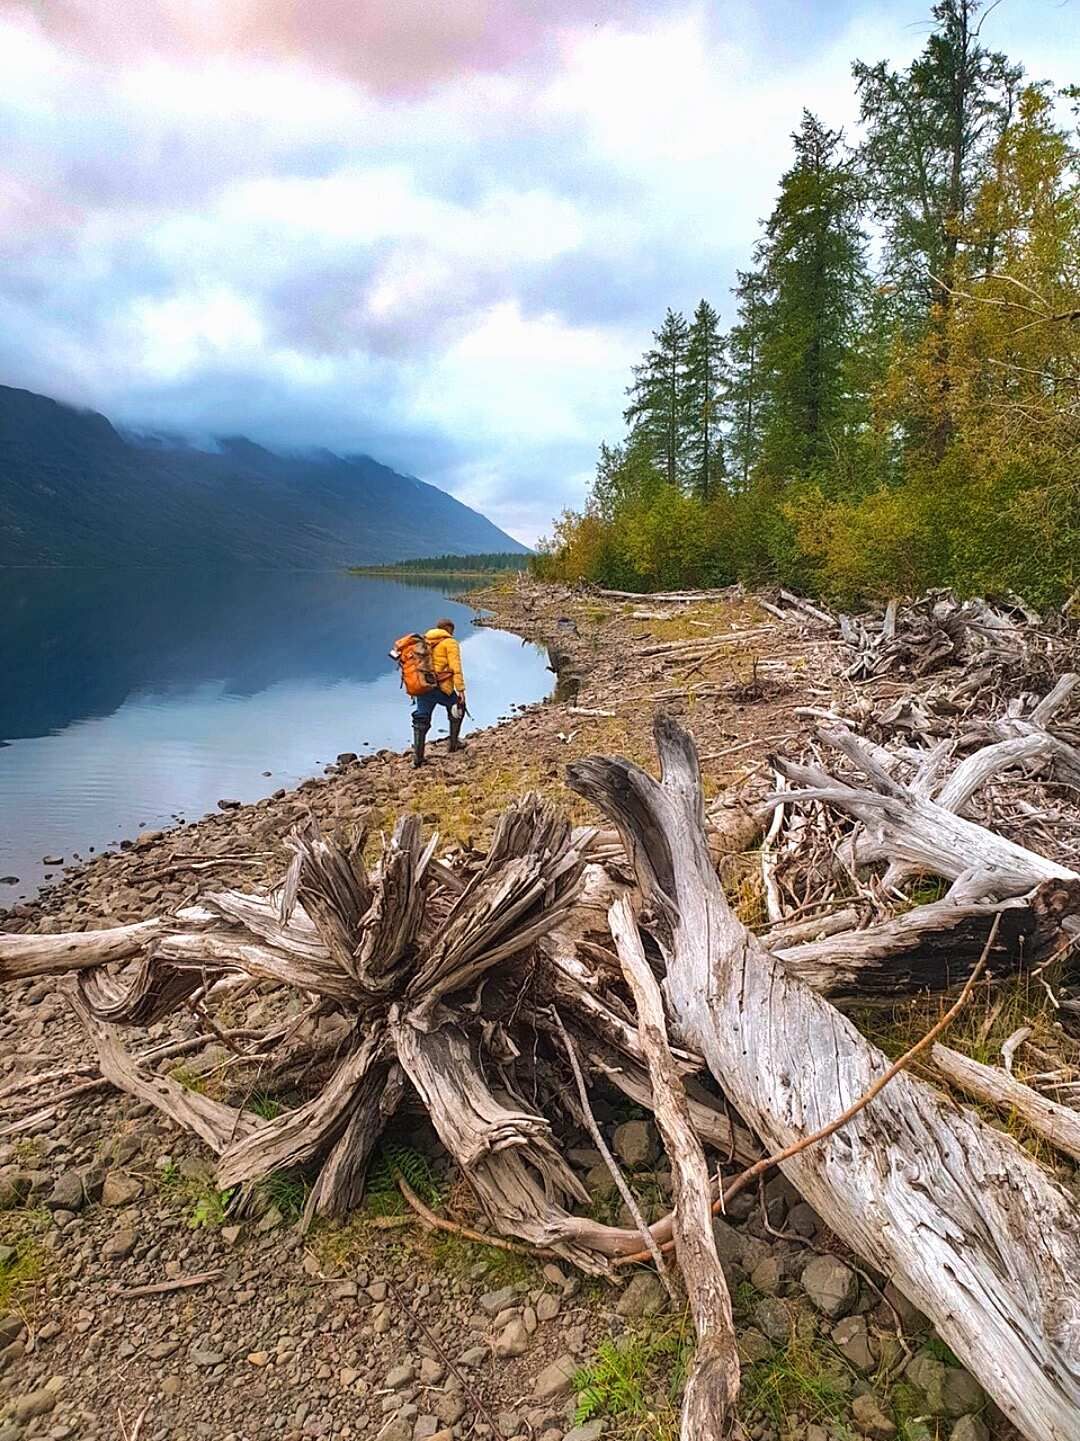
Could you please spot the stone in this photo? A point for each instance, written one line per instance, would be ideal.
(870, 1418)
(730, 1251)
(39, 1402)
(11, 1328)
(547, 1307)
(753, 1346)
(804, 1221)
(431, 1371)
(14, 1189)
(590, 1431)
(400, 1376)
(119, 1245)
(259, 1358)
(925, 1371)
(851, 1339)
(636, 1144)
(270, 1221)
(495, 1301)
(969, 1428)
(954, 1393)
(556, 1379)
(232, 805)
(775, 1318)
(160, 1350)
(644, 1296)
(205, 1356)
(450, 1407)
(396, 1429)
(831, 1286)
(767, 1276)
(230, 1234)
(67, 1194)
(512, 1340)
(554, 1276)
(425, 1428)
(119, 1189)
(911, 1318)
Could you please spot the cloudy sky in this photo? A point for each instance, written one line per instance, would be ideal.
(438, 231)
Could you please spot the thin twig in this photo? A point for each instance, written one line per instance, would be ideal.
(434, 1341)
(159, 1288)
(454, 1228)
(610, 1161)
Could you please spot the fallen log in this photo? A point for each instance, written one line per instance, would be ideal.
(40, 955)
(934, 946)
(1060, 1125)
(969, 1228)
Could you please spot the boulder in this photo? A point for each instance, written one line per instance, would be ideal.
(644, 1296)
(954, 1393)
(871, 1419)
(556, 1379)
(775, 1318)
(67, 1193)
(969, 1428)
(831, 1286)
(636, 1144)
(753, 1346)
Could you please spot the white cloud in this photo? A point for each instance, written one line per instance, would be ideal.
(457, 279)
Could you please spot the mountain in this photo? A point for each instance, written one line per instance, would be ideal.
(75, 491)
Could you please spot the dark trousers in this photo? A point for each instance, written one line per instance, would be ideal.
(424, 705)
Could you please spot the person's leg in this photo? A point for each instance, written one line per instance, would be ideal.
(457, 717)
(423, 706)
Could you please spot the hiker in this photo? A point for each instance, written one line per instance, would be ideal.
(431, 673)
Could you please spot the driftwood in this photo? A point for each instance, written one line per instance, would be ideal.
(466, 985)
(968, 1227)
(1060, 1125)
(712, 1383)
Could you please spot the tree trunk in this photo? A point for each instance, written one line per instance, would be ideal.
(969, 1228)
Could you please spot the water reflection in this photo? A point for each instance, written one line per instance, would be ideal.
(138, 697)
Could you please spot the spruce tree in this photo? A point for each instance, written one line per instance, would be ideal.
(657, 410)
(744, 397)
(703, 392)
(813, 257)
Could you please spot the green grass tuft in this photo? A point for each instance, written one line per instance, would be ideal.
(288, 1191)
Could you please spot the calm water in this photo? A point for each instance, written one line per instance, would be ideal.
(139, 698)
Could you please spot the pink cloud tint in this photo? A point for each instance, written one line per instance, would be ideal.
(391, 46)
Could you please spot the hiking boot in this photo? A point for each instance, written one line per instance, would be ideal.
(456, 743)
(419, 734)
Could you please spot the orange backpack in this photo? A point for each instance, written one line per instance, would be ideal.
(413, 655)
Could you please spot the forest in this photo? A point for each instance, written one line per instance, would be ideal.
(896, 404)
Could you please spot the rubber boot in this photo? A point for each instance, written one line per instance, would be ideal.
(456, 743)
(419, 734)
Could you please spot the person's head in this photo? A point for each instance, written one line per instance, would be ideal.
(445, 624)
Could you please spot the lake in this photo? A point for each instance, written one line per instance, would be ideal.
(138, 698)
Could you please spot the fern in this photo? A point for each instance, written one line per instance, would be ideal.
(390, 1161)
(288, 1191)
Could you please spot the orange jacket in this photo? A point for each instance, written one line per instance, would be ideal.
(446, 657)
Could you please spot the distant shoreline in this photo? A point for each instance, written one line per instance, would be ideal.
(407, 570)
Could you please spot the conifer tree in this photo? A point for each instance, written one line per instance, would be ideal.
(931, 134)
(703, 393)
(743, 401)
(813, 258)
(657, 409)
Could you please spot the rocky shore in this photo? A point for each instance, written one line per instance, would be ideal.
(377, 1329)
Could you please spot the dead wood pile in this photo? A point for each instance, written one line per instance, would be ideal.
(928, 827)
